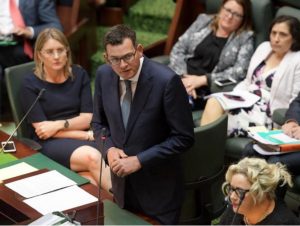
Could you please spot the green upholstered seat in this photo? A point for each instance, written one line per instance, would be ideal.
(13, 78)
(114, 215)
(204, 173)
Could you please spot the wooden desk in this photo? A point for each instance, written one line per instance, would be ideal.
(14, 211)
(22, 149)
(24, 214)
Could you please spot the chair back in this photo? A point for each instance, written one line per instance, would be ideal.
(13, 78)
(203, 168)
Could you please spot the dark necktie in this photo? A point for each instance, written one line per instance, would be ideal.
(126, 103)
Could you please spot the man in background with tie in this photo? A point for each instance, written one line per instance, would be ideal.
(21, 21)
(144, 107)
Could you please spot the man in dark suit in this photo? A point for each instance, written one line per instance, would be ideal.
(37, 15)
(143, 154)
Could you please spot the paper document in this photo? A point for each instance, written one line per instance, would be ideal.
(240, 99)
(61, 200)
(40, 184)
(274, 141)
(262, 151)
(16, 170)
(284, 138)
(276, 137)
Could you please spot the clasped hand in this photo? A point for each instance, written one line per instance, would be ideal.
(46, 129)
(122, 164)
(20, 31)
(292, 129)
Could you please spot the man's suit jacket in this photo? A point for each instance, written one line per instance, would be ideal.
(294, 110)
(160, 127)
(39, 14)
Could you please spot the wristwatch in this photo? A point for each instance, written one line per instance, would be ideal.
(66, 125)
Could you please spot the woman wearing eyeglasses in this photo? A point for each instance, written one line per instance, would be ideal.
(273, 75)
(214, 48)
(60, 120)
(250, 190)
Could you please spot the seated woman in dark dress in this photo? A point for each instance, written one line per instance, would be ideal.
(250, 189)
(61, 118)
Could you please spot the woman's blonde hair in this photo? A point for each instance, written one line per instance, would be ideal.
(43, 37)
(247, 17)
(264, 177)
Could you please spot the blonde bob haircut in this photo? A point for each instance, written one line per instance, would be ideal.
(43, 37)
(264, 177)
(247, 18)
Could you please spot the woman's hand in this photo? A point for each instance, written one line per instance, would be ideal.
(192, 82)
(296, 132)
(47, 129)
(289, 128)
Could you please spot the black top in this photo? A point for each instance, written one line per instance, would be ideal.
(59, 101)
(281, 215)
(206, 55)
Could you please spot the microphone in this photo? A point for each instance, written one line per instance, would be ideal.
(102, 142)
(28, 111)
(227, 200)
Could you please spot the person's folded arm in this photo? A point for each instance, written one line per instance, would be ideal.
(80, 122)
(74, 134)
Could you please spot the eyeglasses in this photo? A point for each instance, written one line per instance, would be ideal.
(228, 189)
(233, 14)
(117, 60)
(53, 53)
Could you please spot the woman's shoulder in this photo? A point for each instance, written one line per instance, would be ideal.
(30, 78)
(204, 18)
(264, 47)
(244, 36)
(282, 215)
(79, 72)
(77, 69)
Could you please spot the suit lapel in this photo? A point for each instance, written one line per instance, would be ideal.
(141, 95)
(114, 100)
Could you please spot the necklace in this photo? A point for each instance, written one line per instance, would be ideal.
(269, 210)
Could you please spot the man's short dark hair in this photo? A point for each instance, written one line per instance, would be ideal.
(116, 35)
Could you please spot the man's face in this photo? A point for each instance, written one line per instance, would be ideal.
(124, 58)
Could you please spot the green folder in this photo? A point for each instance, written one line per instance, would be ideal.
(114, 215)
(41, 161)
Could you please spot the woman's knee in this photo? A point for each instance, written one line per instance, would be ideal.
(87, 156)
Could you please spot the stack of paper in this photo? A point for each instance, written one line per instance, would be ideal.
(235, 99)
(275, 141)
(51, 191)
(16, 170)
